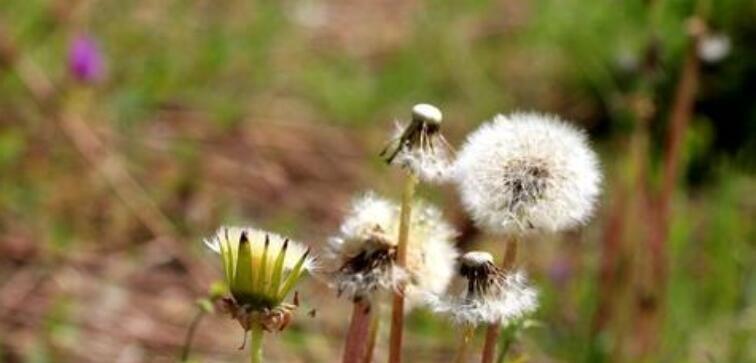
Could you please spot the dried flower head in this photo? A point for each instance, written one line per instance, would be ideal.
(527, 171)
(362, 256)
(420, 147)
(260, 269)
(484, 293)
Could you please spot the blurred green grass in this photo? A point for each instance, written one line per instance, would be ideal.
(272, 112)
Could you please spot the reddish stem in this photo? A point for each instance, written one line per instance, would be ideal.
(359, 327)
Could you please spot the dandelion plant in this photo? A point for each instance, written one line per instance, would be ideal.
(261, 269)
(483, 293)
(420, 149)
(526, 173)
(360, 261)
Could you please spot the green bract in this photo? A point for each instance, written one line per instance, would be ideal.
(260, 268)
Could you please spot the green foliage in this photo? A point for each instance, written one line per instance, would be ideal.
(190, 84)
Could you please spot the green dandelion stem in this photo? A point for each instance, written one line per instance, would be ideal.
(187, 348)
(256, 343)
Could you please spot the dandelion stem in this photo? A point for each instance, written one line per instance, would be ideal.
(493, 331)
(397, 312)
(357, 335)
(466, 338)
(256, 343)
(190, 335)
(375, 325)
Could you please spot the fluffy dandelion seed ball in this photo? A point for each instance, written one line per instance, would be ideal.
(261, 269)
(360, 260)
(420, 147)
(527, 171)
(483, 293)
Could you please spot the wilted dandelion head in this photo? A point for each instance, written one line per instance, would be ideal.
(527, 171)
(261, 269)
(484, 293)
(361, 258)
(420, 147)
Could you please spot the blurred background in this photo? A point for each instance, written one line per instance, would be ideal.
(129, 130)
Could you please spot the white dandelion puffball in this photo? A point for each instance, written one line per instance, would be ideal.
(360, 260)
(526, 172)
(483, 293)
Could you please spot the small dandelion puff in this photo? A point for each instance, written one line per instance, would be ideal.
(261, 269)
(713, 48)
(527, 172)
(420, 147)
(360, 260)
(483, 293)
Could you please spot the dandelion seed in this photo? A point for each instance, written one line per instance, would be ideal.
(483, 293)
(362, 256)
(420, 147)
(527, 172)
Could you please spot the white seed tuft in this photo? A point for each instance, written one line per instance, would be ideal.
(527, 172)
(419, 147)
(485, 294)
(359, 261)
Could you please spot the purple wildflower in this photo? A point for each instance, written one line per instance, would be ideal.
(560, 271)
(85, 61)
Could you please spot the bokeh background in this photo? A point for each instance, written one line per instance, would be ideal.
(129, 130)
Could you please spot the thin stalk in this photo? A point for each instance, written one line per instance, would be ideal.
(493, 331)
(397, 312)
(375, 325)
(679, 120)
(507, 339)
(187, 348)
(463, 346)
(256, 342)
(357, 335)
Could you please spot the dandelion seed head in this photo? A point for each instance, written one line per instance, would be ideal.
(431, 254)
(483, 293)
(527, 172)
(360, 260)
(419, 146)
